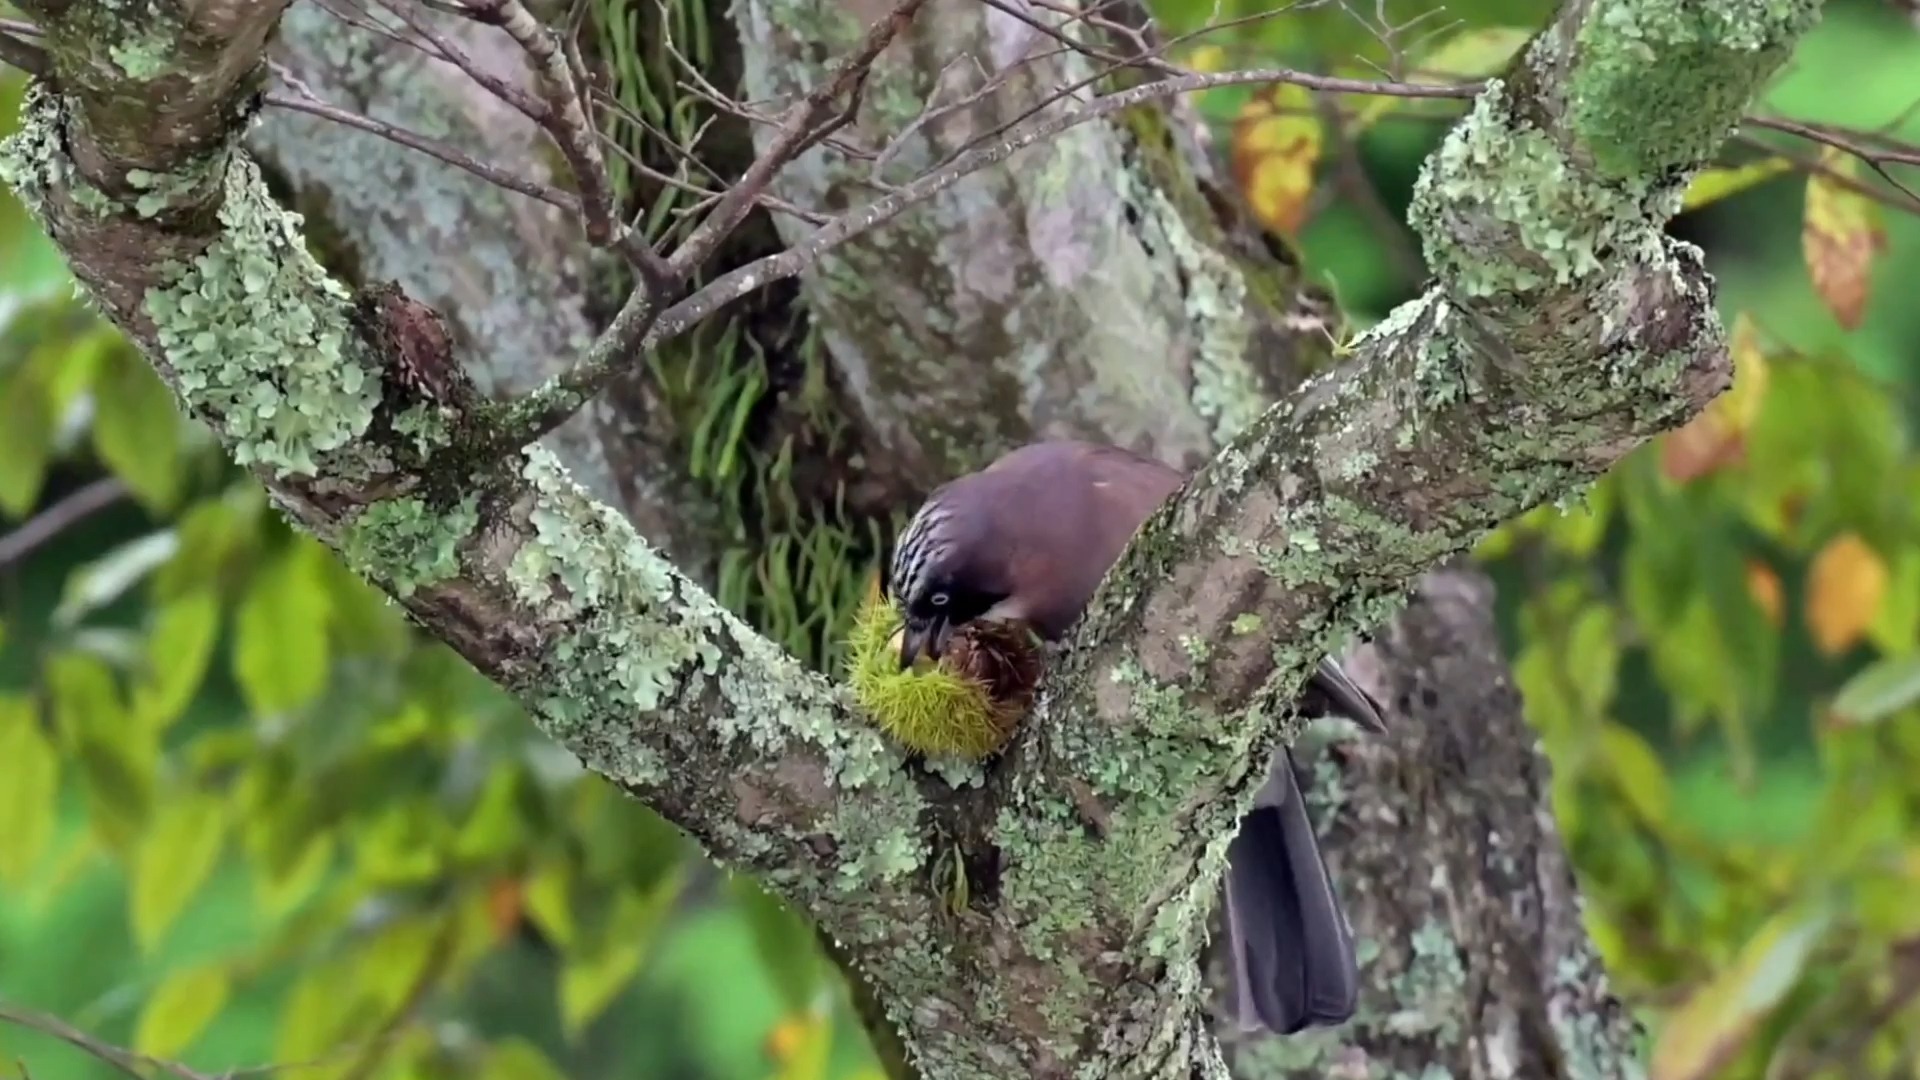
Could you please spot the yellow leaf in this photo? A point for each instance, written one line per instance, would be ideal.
(1845, 586)
(174, 858)
(1207, 59)
(1705, 1032)
(1276, 145)
(799, 1045)
(1896, 630)
(517, 1059)
(1739, 407)
(179, 1009)
(1712, 185)
(1841, 234)
(1763, 584)
(27, 810)
(1638, 773)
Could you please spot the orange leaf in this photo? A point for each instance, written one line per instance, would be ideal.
(1763, 584)
(1717, 437)
(1276, 145)
(505, 899)
(1704, 446)
(1844, 589)
(1841, 234)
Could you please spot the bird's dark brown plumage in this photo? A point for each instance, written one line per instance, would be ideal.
(1030, 537)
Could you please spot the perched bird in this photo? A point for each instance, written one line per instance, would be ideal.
(1030, 537)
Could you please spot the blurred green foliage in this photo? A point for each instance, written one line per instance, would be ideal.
(249, 815)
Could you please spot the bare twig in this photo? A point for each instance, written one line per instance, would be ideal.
(572, 130)
(1875, 159)
(37, 531)
(120, 1058)
(303, 101)
(811, 119)
(442, 47)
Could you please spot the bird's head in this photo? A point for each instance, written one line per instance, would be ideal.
(937, 582)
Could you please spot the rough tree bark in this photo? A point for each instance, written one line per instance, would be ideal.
(1564, 329)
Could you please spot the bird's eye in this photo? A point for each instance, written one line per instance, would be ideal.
(938, 599)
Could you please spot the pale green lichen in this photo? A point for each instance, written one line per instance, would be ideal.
(258, 336)
(1428, 993)
(255, 331)
(159, 191)
(408, 545)
(1657, 86)
(1501, 208)
(145, 56)
(640, 640)
(424, 427)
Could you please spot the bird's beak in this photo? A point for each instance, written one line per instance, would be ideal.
(929, 636)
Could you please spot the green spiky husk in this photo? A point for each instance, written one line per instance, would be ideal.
(932, 708)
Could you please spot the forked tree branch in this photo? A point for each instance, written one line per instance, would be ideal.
(1563, 330)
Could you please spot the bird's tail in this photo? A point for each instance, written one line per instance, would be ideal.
(1290, 950)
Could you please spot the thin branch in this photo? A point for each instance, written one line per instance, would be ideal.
(567, 116)
(301, 101)
(809, 120)
(37, 531)
(127, 1061)
(572, 129)
(442, 47)
(1877, 160)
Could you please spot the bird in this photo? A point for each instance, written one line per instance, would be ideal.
(1029, 538)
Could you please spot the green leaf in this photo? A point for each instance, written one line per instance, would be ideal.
(27, 796)
(497, 824)
(514, 1058)
(107, 578)
(403, 955)
(173, 860)
(1881, 689)
(216, 541)
(114, 759)
(279, 889)
(178, 648)
(1707, 1031)
(1896, 628)
(136, 428)
(785, 942)
(1637, 771)
(280, 637)
(317, 1012)
(595, 973)
(179, 1009)
(549, 904)
(26, 440)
